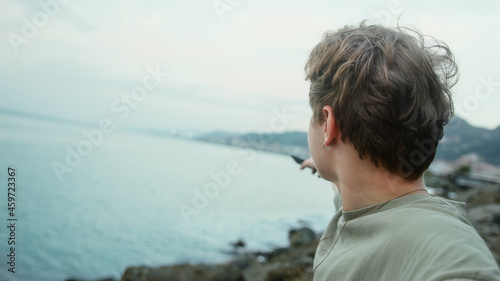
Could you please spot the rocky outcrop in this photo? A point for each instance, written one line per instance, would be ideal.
(295, 262)
(291, 263)
(102, 279)
(483, 211)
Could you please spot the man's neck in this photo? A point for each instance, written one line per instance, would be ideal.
(367, 185)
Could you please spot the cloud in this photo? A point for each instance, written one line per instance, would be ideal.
(248, 64)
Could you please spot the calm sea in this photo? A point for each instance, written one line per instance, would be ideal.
(121, 205)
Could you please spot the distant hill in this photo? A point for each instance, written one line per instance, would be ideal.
(288, 143)
(287, 138)
(462, 138)
(459, 138)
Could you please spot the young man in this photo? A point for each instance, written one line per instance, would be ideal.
(380, 99)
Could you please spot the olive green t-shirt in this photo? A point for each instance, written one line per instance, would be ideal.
(416, 237)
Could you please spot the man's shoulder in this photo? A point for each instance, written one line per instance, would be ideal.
(436, 230)
(432, 221)
(429, 210)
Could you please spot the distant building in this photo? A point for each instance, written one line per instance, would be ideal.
(441, 167)
(472, 160)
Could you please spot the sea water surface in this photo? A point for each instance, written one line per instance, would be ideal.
(122, 205)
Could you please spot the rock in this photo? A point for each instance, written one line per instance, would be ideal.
(281, 271)
(277, 253)
(102, 279)
(184, 272)
(260, 272)
(496, 218)
(485, 213)
(301, 236)
(238, 244)
(243, 262)
(230, 271)
(291, 263)
(481, 196)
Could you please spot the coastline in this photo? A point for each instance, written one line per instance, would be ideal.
(295, 261)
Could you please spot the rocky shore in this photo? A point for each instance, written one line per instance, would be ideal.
(291, 263)
(483, 211)
(295, 262)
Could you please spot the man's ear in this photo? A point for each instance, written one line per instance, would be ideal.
(331, 129)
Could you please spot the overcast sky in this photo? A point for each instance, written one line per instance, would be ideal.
(232, 64)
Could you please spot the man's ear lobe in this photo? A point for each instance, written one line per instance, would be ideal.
(330, 127)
